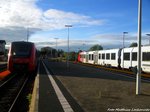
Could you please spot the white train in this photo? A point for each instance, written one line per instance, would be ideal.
(115, 58)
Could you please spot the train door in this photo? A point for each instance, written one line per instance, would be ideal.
(96, 57)
(119, 58)
(87, 57)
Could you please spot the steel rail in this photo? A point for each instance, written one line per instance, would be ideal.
(5, 82)
(17, 97)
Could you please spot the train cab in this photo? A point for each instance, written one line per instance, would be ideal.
(22, 56)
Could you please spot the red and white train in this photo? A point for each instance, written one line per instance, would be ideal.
(121, 58)
(22, 57)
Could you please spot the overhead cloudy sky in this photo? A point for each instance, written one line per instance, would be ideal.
(94, 22)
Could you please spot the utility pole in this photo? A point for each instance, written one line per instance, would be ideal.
(56, 47)
(138, 76)
(27, 34)
(68, 26)
(123, 48)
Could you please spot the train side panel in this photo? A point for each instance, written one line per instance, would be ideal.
(130, 58)
(33, 60)
(146, 59)
(111, 58)
(91, 57)
(83, 57)
(79, 57)
(126, 61)
(122, 58)
(101, 57)
(108, 57)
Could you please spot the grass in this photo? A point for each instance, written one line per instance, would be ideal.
(29, 97)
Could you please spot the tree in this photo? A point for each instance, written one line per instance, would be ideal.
(48, 51)
(60, 53)
(134, 44)
(72, 56)
(96, 47)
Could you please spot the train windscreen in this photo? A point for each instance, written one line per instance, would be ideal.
(21, 49)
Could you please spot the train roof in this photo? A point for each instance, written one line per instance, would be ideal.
(22, 42)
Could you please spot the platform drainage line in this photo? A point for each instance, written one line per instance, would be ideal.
(35, 94)
(64, 103)
(37, 89)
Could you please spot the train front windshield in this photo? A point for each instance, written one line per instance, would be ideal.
(21, 49)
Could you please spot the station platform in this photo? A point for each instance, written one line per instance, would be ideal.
(49, 95)
(93, 88)
(4, 74)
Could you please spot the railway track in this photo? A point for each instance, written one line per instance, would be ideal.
(10, 91)
(3, 67)
(6, 80)
(145, 76)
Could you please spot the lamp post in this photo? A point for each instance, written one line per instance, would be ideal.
(51, 52)
(149, 38)
(68, 26)
(56, 46)
(27, 34)
(83, 47)
(123, 49)
(138, 76)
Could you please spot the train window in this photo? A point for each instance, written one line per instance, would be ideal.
(126, 56)
(103, 56)
(146, 56)
(99, 56)
(21, 49)
(113, 56)
(134, 56)
(107, 55)
(92, 57)
(89, 57)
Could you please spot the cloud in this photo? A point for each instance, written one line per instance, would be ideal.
(116, 40)
(75, 45)
(16, 33)
(58, 17)
(112, 39)
(18, 15)
(25, 13)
